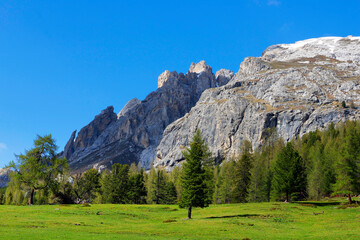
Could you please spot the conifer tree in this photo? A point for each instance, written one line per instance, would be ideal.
(159, 188)
(86, 185)
(170, 193)
(194, 181)
(38, 168)
(347, 166)
(116, 184)
(137, 190)
(289, 174)
(242, 173)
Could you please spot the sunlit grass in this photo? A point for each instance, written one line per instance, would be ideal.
(307, 220)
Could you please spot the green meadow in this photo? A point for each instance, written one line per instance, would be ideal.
(274, 220)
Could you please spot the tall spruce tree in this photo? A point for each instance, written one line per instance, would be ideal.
(116, 184)
(194, 180)
(159, 188)
(242, 173)
(289, 174)
(137, 190)
(347, 166)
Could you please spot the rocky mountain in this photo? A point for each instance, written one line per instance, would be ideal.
(295, 88)
(4, 177)
(134, 134)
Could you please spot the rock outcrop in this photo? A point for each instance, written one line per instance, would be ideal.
(4, 177)
(295, 88)
(134, 134)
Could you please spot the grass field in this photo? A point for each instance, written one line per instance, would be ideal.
(308, 220)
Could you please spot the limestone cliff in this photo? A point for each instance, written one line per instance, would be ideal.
(134, 134)
(295, 88)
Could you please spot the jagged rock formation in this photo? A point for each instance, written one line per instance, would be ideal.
(134, 134)
(4, 177)
(295, 88)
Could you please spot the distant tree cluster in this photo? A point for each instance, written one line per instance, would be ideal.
(319, 164)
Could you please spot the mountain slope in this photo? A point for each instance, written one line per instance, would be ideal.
(134, 134)
(295, 88)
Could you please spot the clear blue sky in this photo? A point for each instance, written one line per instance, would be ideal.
(62, 62)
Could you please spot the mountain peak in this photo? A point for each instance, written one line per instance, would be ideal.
(200, 67)
(339, 48)
(165, 76)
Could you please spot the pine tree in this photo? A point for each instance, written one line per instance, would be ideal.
(242, 174)
(159, 188)
(150, 183)
(289, 174)
(137, 190)
(116, 184)
(194, 181)
(225, 182)
(86, 185)
(347, 166)
(170, 193)
(175, 177)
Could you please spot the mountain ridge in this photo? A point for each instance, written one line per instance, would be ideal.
(295, 88)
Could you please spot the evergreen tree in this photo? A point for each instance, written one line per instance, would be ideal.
(347, 166)
(194, 181)
(225, 182)
(261, 174)
(170, 193)
(86, 185)
(159, 188)
(150, 183)
(242, 173)
(289, 174)
(39, 167)
(116, 184)
(175, 177)
(137, 190)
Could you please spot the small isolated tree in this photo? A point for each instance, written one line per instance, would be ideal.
(195, 177)
(40, 166)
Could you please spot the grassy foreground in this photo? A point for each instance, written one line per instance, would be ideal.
(317, 220)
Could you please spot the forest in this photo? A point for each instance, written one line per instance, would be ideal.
(317, 165)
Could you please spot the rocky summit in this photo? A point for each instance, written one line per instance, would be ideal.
(294, 88)
(134, 134)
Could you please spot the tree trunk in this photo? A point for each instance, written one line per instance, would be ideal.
(189, 213)
(31, 197)
(287, 197)
(349, 198)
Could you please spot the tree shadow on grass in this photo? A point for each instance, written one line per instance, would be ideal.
(235, 216)
(318, 204)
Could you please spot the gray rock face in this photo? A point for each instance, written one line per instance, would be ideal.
(128, 107)
(295, 88)
(4, 177)
(223, 76)
(134, 134)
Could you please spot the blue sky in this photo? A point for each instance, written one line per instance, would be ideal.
(62, 62)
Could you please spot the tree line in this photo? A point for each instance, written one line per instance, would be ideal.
(318, 164)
